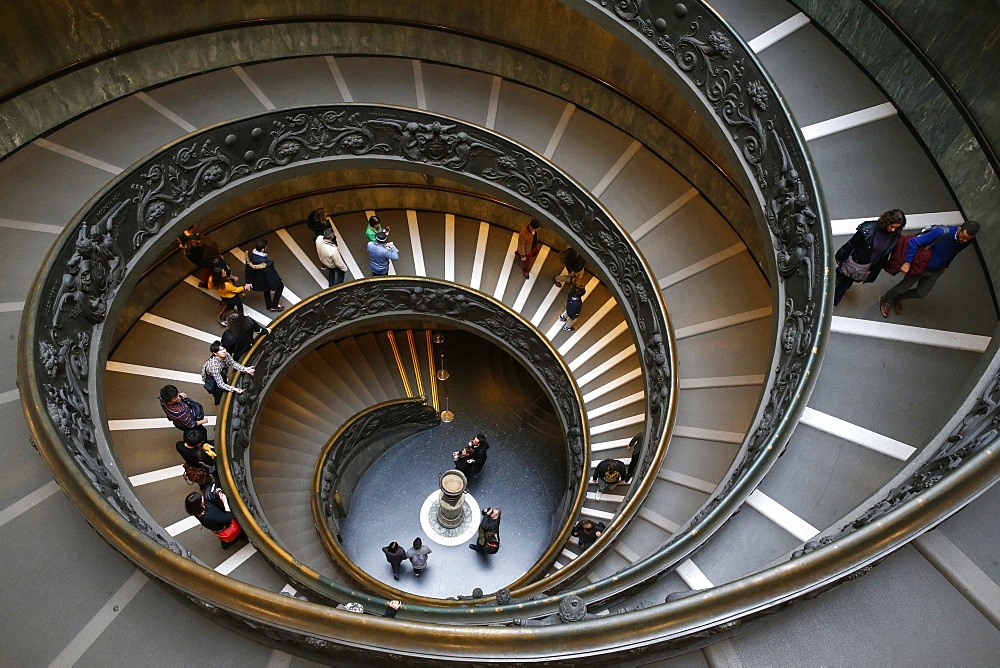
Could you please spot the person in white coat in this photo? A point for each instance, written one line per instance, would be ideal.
(330, 257)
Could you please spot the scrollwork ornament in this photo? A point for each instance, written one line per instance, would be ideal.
(172, 184)
(438, 144)
(93, 272)
(799, 323)
(305, 136)
(791, 218)
(631, 10)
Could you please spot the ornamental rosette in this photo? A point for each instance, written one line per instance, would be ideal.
(720, 43)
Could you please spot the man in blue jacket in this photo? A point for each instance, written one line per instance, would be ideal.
(380, 252)
(945, 243)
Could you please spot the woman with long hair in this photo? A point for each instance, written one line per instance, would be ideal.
(212, 510)
(240, 334)
(865, 254)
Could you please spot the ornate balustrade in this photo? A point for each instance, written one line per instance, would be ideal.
(359, 442)
(326, 316)
(92, 269)
(95, 263)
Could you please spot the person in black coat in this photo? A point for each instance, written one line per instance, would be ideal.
(479, 447)
(573, 264)
(319, 221)
(241, 332)
(608, 474)
(395, 555)
(196, 451)
(264, 277)
(464, 460)
(588, 531)
(212, 510)
(489, 532)
(871, 245)
(574, 304)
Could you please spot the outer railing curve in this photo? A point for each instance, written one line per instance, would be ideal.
(59, 396)
(88, 275)
(720, 70)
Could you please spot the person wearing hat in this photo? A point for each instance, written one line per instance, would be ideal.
(380, 252)
(330, 257)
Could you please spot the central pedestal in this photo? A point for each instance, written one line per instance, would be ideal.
(440, 506)
(451, 505)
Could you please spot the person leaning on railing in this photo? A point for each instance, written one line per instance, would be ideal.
(212, 372)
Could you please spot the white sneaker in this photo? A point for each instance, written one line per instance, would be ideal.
(597, 495)
(567, 328)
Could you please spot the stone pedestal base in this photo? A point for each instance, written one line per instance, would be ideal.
(451, 505)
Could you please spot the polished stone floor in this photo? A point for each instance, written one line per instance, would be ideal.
(524, 475)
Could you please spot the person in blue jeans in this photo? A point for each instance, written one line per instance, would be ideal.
(574, 304)
(380, 253)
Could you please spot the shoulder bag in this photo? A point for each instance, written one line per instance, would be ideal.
(855, 271)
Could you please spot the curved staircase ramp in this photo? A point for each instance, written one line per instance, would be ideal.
(602, 341)
(690, 262)
(619, 429)
(719, 256)
(337, 381)
(846, 453)
(310, 403)
(847, 439)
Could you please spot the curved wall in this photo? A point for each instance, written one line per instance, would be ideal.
(923, 98)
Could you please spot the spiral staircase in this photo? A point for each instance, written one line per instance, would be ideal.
(885, 390)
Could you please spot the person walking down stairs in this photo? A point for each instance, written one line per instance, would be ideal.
(528, 247)
(262, 274)
(574, 304)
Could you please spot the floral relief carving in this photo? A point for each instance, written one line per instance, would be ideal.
(315, 135)
(166, 188)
